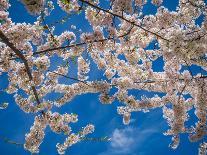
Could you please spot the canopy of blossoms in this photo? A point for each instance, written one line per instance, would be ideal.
(121, 30)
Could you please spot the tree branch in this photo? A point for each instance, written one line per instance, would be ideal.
(68, 77)
(21, 56)
(127, 20)
(81, 43)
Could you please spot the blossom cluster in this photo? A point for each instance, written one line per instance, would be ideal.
(58, 124)
(74, 138)
(157, 2)
(79, 88)
(83, 68)
(36, 135)
(203, 148)
(122, 5)
(69, 6)
(34, 6)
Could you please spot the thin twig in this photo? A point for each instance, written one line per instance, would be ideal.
(68, 77)
(7, 140)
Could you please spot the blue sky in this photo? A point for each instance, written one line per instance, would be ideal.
(143, 136)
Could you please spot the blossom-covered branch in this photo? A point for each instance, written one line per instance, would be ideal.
(21, 56)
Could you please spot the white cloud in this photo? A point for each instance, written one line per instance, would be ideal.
(121, 141)
(132, 140)
(126, 141)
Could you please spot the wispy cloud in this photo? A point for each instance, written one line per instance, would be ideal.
(126, 141)
(133, 140)
(122, 140)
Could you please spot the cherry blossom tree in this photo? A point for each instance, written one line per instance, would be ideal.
(121, 29)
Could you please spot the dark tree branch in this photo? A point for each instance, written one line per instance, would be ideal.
(121, 17)
(80, 44)
(21, 56)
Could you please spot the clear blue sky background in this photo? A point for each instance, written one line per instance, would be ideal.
(142, 137)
